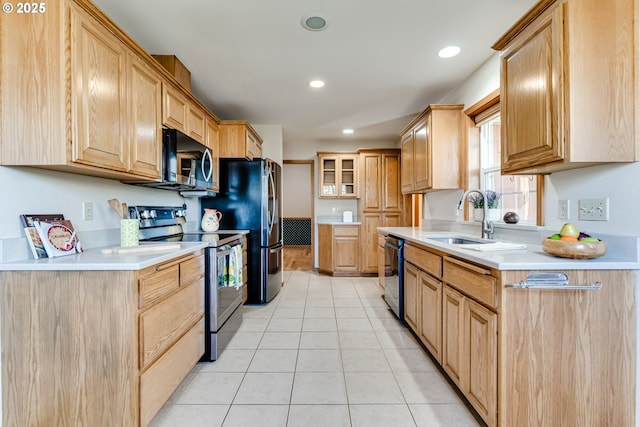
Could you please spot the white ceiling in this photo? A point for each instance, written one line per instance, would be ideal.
(251, 59)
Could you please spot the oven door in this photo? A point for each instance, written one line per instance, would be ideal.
(225, 283)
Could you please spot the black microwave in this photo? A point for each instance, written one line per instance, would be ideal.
(186, 163)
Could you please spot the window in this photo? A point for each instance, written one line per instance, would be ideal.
(518, 193)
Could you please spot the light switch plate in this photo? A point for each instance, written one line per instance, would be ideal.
(593, 210)
(563, 209)
(87, 211)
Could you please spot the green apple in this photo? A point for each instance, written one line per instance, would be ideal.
(589, 239)
(569, 229)
(555, 236)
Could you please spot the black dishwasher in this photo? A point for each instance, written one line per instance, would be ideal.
(394, 278)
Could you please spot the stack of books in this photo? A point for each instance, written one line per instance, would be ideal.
(50, 235)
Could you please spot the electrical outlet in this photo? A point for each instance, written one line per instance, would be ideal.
(593, 210)
(87, 211)
(563, 209)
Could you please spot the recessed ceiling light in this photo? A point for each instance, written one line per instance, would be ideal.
(347, 131)
(314, 22)
(448, 52)
(316, 83)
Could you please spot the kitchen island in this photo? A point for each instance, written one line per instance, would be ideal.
(556, 356)
(99, 339)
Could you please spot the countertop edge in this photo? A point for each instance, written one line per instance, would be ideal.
(531, 258)
(93, 259)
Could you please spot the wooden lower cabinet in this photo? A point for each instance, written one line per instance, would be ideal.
(430, 330)
(452, 334)
(411, 295)
(528, 357)
(480, 358)
(469, 357)
(569, 357)
(339, 249)
(459, 332)
(98, 348)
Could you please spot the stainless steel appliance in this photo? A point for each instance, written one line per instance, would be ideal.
(394, 281)
(187, 165)
(250, 198)
(223, 263)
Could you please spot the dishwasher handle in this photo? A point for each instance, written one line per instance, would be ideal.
(391, 243)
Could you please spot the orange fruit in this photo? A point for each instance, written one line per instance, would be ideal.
(569, 238)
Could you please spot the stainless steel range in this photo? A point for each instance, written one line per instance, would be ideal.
(223, 270)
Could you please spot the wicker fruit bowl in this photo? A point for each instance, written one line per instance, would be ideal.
(575, 250)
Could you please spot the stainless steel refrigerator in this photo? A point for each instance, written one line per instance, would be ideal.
(250, 198)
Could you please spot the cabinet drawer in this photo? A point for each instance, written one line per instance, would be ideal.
(191, 269)
(475, 281)
(427, 261)
(349, 231)
(157, 285)
(161, 325)
(164, 376)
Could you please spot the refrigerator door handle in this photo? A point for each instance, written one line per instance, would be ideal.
(273, 207)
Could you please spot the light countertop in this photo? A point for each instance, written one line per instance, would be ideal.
(95, 259)
(621, 255)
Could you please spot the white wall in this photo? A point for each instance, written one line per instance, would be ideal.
(271, 141)
(296, 190)
(614, 181)
(31, 190)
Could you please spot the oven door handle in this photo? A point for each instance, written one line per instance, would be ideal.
(220, 254)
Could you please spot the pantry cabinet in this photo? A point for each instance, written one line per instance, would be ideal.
(433, 149)
(238, 139)
(379, 200)
(121, 341)
(581, 111)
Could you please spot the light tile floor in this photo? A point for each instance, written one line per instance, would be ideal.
(325, 352)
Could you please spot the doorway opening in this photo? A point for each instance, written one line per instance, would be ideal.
(298, 214)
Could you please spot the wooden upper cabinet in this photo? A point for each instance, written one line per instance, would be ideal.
(238, 139)
(338, 175)
(180, 113)
(145, 99)
(580, 111)
(371, 170)
(433, 149)
(175, 108)
(83, 99)
(213, 144)
(99, 103)
(406, 144)
(196, 123)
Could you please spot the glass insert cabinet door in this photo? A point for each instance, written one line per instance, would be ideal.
(338, 175)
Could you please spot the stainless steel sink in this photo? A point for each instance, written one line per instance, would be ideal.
(458, 240)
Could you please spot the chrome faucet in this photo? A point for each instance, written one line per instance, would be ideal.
(487, 226)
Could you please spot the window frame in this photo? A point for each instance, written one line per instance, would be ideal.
(477, 113)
